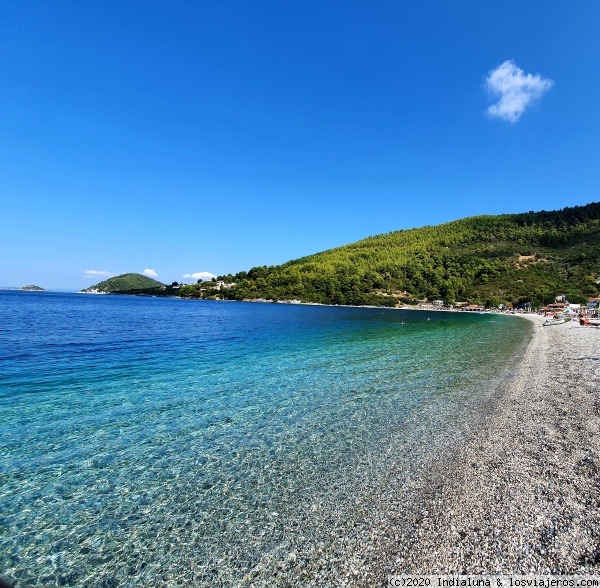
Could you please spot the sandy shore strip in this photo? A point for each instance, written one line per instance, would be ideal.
(523, 494)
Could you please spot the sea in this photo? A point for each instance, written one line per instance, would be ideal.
(165, 442)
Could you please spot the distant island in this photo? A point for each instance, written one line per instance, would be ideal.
(493, 261)
(32, 288)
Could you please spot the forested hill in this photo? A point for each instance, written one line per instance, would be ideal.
(126, 284)
(510, 258)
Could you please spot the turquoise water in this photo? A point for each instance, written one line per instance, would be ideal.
(166, 442)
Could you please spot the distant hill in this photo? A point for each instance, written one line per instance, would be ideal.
(32, 288)
(126, 284)
(510, 258)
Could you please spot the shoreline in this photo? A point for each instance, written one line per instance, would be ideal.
(522, 495)
(516, 491)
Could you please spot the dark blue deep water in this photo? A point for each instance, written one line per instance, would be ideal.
(148, 441)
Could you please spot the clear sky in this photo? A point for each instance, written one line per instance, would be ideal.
(186, 137)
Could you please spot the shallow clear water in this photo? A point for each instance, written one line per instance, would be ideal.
(161, 441)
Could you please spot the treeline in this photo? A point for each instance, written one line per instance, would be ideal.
(489, 260)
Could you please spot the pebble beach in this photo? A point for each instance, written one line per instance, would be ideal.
(521, 495)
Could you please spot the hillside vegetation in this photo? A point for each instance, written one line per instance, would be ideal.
(511, 258)
(127, 283)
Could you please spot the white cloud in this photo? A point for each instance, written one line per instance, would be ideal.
(150, 273)
(199, 276)
(95, 274)
(516, 90)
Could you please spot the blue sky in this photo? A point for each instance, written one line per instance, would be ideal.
(188, 137)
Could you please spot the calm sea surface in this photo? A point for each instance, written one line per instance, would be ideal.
(148, 441)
